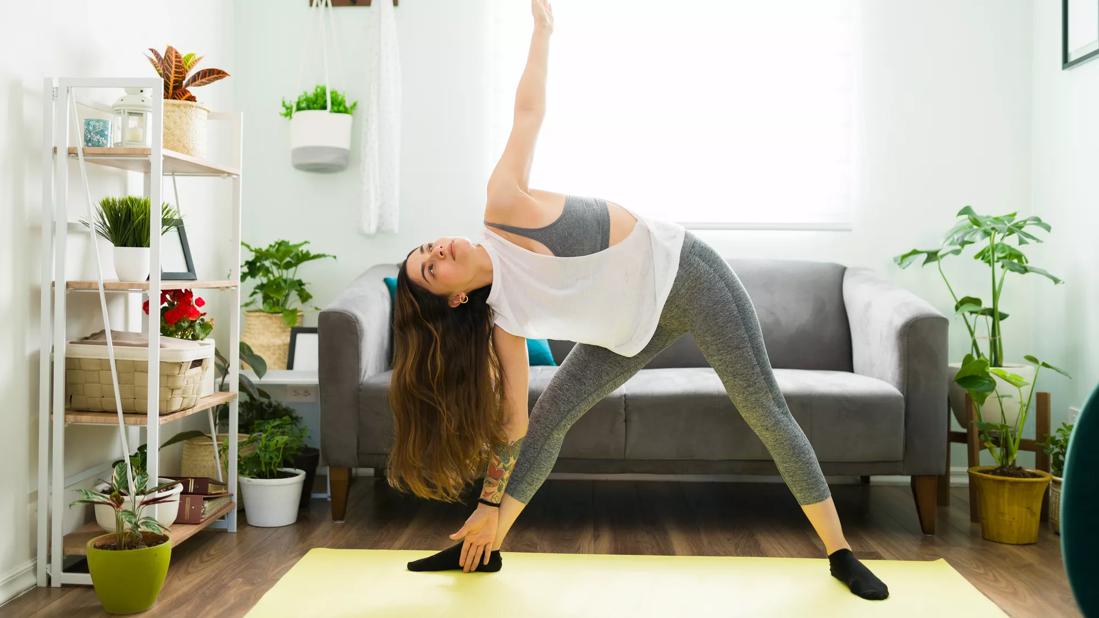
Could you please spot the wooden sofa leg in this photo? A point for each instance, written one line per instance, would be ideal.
(924, 491)
(340, 479)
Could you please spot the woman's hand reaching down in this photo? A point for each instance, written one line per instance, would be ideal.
(543, 15)
(478, 534)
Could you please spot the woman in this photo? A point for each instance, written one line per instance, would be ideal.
(623, 287)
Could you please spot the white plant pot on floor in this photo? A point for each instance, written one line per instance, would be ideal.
(270, 503)
(320, 141)
(165, 513)
(131, 263)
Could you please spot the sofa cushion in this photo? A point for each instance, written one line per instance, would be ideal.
(599, 434)
(685, 413)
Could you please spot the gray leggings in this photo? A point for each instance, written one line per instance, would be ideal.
(709, 301)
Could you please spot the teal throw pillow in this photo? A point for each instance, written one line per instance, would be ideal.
(538, 350)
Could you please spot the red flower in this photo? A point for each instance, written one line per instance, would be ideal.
(173, 315)
(199, 302)
(145, 306)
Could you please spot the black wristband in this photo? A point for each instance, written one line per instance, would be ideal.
(483, 501)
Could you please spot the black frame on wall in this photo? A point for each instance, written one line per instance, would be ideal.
(1065, 62)
(185, 248)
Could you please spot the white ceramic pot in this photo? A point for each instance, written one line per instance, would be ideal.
(269, 503)
(131, 263)
(185, 127)
(1005, 393)
(320, 141)
(165, 513)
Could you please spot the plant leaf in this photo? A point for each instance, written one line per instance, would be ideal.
(174, 72)
(203, 77)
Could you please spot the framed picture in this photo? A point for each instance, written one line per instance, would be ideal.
(304, 344)
(1079, 31)
(175, 260)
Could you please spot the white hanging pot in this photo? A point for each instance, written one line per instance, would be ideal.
(320, 141)
(131, 263)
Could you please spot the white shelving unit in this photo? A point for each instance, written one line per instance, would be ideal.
(58, 149)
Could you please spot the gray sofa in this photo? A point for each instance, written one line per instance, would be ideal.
(861, 362)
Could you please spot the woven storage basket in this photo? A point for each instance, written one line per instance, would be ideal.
(183, 365)
(185, 127)
(197, 459)
(268, 336)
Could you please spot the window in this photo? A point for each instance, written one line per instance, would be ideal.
(712, 113)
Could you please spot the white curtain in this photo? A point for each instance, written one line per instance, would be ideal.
(712, 113)
(381, 126)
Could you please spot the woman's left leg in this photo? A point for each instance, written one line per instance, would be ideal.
(724, 323)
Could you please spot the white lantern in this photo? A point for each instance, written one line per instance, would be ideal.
(131, 118)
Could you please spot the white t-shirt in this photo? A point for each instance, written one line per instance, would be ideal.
(612, 298)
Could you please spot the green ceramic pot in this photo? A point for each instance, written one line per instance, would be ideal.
(128, 581)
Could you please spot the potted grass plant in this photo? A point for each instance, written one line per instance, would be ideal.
(124, 222)
(128, 565)
(320, 129)
(1056, 445)
(271, 491)
(184, 118)
(276, 297)
(1010, 495)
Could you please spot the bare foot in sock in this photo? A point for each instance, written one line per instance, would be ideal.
(449, 558)
(847, 568)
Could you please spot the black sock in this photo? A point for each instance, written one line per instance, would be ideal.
(449, 558)
(847, 568)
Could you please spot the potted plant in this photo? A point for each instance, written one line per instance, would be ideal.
(320, 129)
(274, 268)
(128, 565)
(1003, 391)
(164, 511)
(271, 491)
(124, 222)
(255, 410)
(1056, 445)
(184, 119)
(180, 317)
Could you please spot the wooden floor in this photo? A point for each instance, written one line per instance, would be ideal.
(599, 516)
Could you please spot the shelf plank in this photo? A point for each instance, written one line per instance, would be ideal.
(76, 541)
(138, 160)
(137, 286)
(84, 417)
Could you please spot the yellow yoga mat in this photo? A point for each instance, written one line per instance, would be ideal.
(374, 582)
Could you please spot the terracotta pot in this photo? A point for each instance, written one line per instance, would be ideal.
(1010, 508)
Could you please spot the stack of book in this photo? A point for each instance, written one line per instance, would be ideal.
(201, 496)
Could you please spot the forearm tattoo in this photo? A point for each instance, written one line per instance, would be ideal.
(500, 464)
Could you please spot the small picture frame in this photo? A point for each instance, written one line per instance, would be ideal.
(304, 347)
(175, 262)
(1079, 31)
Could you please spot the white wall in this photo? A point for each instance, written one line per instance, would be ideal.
(1065, 132)
(94, 39)
(944, 120)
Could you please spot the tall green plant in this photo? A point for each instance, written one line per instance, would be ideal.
(275, 268)
(276, 440)
(124, 221)
(977, 370)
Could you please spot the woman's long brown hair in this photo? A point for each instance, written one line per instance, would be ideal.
(445, 392)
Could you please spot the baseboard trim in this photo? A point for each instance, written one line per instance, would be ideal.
(20, 580)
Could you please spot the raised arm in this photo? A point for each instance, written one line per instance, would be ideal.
(512, 172)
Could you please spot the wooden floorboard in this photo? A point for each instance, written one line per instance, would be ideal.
(606, 517)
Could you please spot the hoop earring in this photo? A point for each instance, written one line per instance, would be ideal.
(465, 299)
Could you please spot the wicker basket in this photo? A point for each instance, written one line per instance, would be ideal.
(269, 336)
(185, 127)
(183, 366)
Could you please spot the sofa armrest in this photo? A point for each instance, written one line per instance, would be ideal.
(901, 339)
(354, 343)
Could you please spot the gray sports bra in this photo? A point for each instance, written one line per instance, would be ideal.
(583, 228)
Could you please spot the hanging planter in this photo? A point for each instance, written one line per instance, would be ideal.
(320, 121)
(184, 119)
(320, 130)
